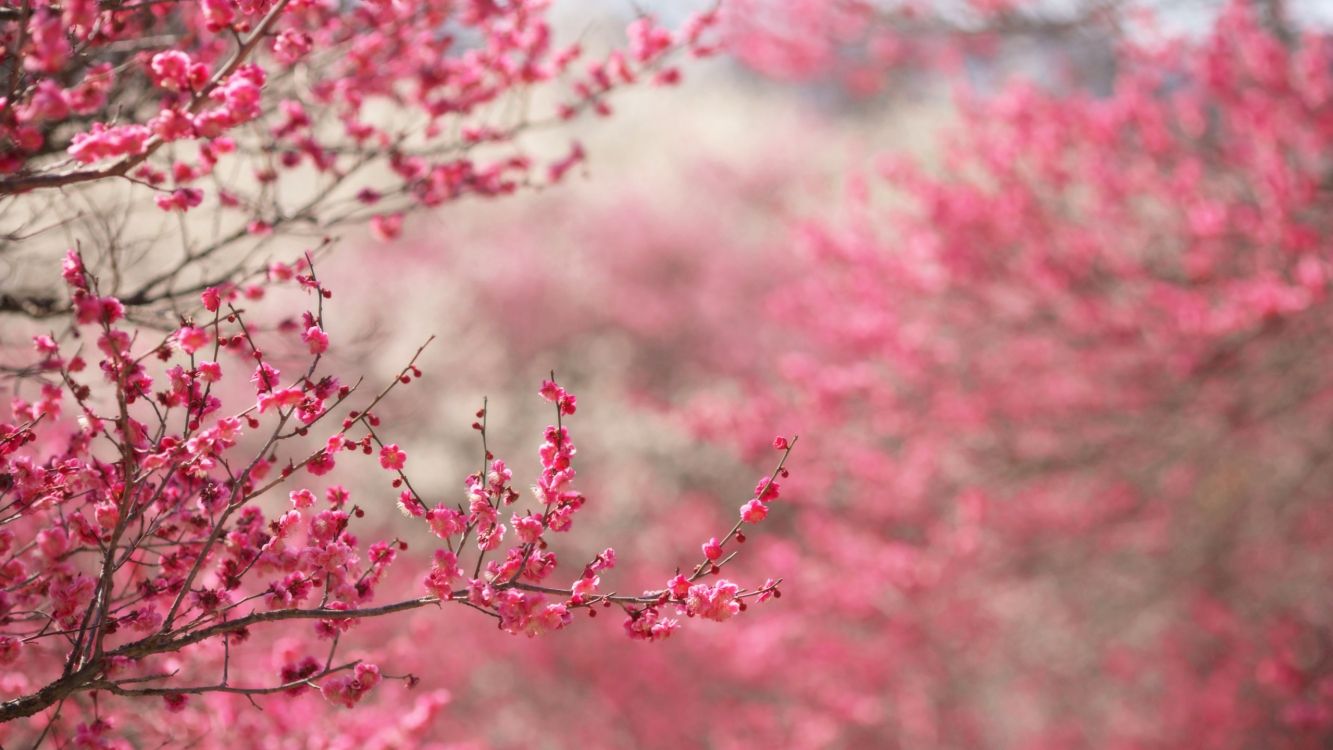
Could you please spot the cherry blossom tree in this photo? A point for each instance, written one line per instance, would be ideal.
(874, 48)
(283, 118)
(138, 540)
(147, 564)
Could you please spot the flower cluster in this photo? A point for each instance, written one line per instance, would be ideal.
(286, 65)
(138, 550)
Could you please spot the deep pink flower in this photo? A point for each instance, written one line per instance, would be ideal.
(180, 199)
(386, 227)
(392, 457)
(717, 602)
(191, 339)
(210, 371)
(529, 528)
(316, 339)
(754, 511)
(280, 399)
(211, 298)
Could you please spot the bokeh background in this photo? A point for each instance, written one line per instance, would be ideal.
(1063, 549)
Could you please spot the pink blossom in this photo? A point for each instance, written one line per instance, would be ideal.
(392, 457)
(180, 199)
(291, 46)
(172, 125)
(219, 14)
(50, 49)
(444, 571)
(754, 511)
(321, 464)
(529, 527)
(679, 586)
(72, 271)
(649, 625)
(53, 542)
(446, 522)
(280, 272)
(98, 309)
(105, 143)
(606, 559)
(717, 602)
(174, 70)
(210, 371)
(266, 377)
(336, 496)
(647, 40)
(585, 587)
(280, 399)
(565, 401)
(410, 505)
(107, 515)
(348, 690)
(386, 227)
(555, 617)
(316, 339)
(211, 299)
(191, 339)
(327, 524)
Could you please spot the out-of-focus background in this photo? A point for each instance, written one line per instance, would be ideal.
(1011, 524)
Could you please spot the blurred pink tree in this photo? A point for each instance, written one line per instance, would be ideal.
(1066, 400)
(287, 116)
